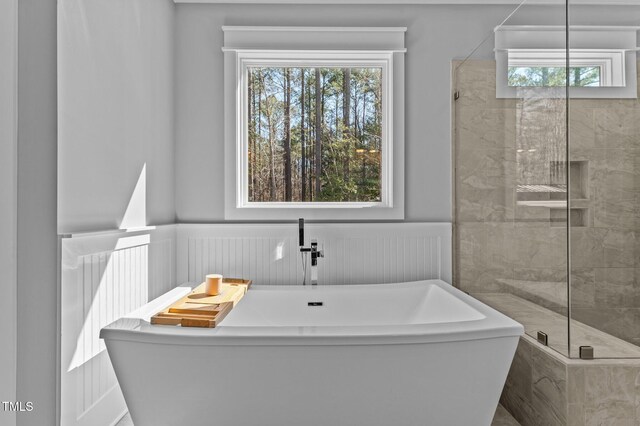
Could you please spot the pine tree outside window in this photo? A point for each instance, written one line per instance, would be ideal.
(314, 134)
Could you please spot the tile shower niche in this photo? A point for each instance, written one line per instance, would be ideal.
(552, 196)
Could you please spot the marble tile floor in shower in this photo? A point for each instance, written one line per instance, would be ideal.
(534, 318)
(502, 418)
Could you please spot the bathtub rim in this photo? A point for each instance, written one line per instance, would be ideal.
(136, 327)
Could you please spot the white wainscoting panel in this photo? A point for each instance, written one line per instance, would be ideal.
(104, 277)
(362, 253)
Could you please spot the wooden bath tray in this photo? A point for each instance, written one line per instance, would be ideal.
(197, 309)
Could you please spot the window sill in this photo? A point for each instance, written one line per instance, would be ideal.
(319, 205)
(282, 211)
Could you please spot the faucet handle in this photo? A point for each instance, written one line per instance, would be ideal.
(314, 248)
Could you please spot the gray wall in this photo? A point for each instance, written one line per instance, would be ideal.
(37, 240)
(435, 35)
(8, 114)
(115, 111)
(103, 158)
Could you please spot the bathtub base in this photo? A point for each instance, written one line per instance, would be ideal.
(435, 384)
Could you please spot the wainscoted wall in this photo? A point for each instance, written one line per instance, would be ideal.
(107, 275)
(506, 241)
(104, 277)
(354, 253)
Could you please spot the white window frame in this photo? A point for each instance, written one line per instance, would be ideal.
(335, 59)
(613, 49)
(330, 48)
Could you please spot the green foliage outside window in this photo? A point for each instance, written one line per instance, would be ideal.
(315, 134)
(553, 76)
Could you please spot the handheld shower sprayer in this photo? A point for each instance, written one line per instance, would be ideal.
(301, 232)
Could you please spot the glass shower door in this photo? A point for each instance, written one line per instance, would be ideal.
(511, 174)
(604, 187)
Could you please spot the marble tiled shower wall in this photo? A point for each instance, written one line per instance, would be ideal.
(546, 389)
(505, 246)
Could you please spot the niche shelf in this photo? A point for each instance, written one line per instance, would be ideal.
(578, 179)
(553, 194)
(558, 217)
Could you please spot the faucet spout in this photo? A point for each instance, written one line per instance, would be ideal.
(315, 255)
(312, 251)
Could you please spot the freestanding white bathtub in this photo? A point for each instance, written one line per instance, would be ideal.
(420, 353)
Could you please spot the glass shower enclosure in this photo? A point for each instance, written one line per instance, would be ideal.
(546, 159)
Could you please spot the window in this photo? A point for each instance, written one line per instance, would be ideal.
(547, 68)
(315, 130)
(554, 76)
(601, 62)
(315, 134)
